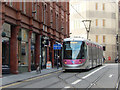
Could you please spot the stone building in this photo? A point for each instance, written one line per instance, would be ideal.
(104, 25)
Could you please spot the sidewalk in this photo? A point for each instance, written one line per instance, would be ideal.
(8, 79)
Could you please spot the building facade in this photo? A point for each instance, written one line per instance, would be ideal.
(119, 31)
(28, 32)
(104, 23)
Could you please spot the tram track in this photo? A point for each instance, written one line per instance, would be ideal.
(75, 75)
(117, 87)
(96, 80)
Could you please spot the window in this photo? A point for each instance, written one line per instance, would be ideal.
(56, 21)
(32, 8)
(96, 22)
(35, 10)
(96, 38)
(103, 39)
(62, 24)
(24, 3)
(96, 6)
(44, 13)
(11, 3)
(51, 18)
(21, 5)
(66, 23)
(103, 22)
(103, 6)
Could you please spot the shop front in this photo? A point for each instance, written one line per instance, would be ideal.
(33, 51)
(6, 35)
(23, 51)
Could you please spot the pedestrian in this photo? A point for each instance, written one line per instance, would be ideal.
(103, 59)
(116, 59)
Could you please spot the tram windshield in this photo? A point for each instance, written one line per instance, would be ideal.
(74, 50)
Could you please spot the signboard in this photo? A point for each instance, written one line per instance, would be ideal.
(109, 58)
(49, 65)
(57, 46)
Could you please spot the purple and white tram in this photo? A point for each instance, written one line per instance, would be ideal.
(79, 53)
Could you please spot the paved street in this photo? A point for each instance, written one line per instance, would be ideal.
(105, 76)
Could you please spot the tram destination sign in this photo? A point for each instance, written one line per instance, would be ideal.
(57, 46)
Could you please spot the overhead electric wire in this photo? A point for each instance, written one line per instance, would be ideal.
(77, 11)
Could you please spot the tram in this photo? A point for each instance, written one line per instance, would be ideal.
(79, 53)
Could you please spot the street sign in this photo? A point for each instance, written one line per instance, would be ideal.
(57, 46)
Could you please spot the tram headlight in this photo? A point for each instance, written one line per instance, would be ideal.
(80, 62)
(65, 62)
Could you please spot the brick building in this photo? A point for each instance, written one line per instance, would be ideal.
(25, 28)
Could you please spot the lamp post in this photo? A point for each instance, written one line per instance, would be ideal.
(117, 45)
(87, 24)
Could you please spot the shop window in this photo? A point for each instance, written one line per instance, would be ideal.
(33, 51)
(23, 52)
(23, 47)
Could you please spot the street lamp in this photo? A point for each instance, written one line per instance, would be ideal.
(87, 24)
(117, 44)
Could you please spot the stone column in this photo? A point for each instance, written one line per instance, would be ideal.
(37, 50)
(13, 50)
(29, 51)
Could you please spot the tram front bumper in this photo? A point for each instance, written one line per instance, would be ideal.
(68, 67)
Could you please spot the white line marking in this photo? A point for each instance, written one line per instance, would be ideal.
(110, 75)
(93, 72)
(77, 81)
(67, 87)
